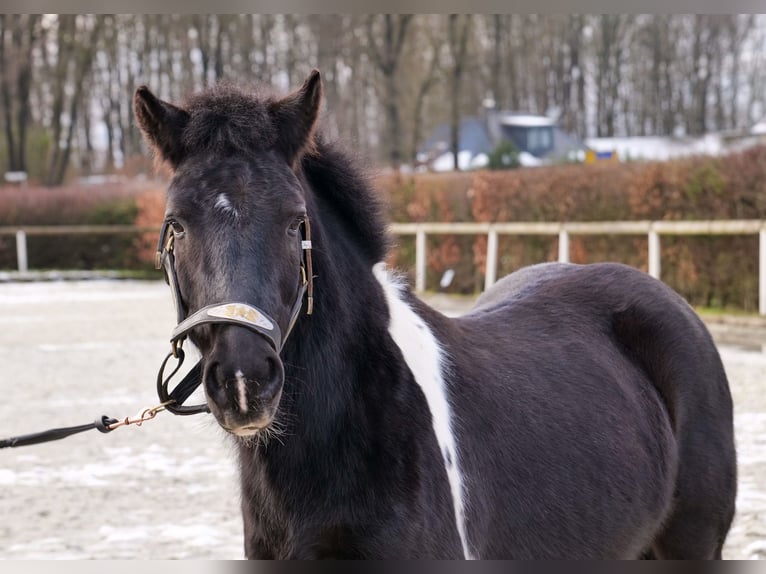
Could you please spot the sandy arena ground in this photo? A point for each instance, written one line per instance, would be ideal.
(70, 352)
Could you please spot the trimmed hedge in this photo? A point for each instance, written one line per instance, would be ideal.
(71, 205)
(717, 271)
(710, 271)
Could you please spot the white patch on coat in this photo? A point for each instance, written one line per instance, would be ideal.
(222, 202)
(241, 390)
(425, 358)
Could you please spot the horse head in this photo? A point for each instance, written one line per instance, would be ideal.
(236, 218)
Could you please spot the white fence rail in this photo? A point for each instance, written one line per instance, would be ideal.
(21, 233)
(652, 229)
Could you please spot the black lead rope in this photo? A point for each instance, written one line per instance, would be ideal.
(171, 401)
(101, 424)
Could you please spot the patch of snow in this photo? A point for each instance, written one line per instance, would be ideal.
(154, 460)
(124, 533)
(192, 534)
(756, 550)
(479, 161)
(526, 159)
(527, 121)
(446, 161)
(80, 291)
(658, 147)
(90, 346)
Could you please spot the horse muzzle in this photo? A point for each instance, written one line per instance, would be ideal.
(243, 380)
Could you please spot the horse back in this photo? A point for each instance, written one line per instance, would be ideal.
(652, 324)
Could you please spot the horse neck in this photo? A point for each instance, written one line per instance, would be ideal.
(328, 349)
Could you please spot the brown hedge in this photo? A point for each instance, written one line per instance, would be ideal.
(113, 203)
(719, 271)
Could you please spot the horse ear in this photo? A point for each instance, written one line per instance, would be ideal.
(162, 125)
(296, 117)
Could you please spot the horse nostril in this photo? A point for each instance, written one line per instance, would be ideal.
(219, 377)
(271, 382)
(214, 380)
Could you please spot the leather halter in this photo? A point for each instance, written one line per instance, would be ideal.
(234, 313)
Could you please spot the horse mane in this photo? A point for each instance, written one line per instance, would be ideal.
(337, 176)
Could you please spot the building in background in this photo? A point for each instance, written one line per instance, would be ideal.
(540, 141)
(537, 140)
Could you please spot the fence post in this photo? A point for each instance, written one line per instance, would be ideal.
(563, 246)
(490, 274)
(21, 251)
(654, 254)
(762, 271)
(420, 260)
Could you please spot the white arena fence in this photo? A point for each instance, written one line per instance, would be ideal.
(652, 229)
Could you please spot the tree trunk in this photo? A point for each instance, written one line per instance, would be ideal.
(573, 107)
(513, 99)
(265, 70)
(65, 41)
(5, 93)
(499, 25)
(458, 44)
(202, 25)
(327, 29)
(24, 88)
(425, 87)
(609, 73)
(83, 59)
(221, 21)
(387, 58)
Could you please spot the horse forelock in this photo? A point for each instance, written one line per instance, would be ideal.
(225, 119)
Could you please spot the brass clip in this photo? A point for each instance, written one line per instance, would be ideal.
(145, 415)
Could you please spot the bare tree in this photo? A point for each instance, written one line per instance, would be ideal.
(573, 78)
(78, 37)
(612, 32)
(386, 54)
(706, 30)
(427, 54)
(18, 36)
(458, 27)
(64, 76)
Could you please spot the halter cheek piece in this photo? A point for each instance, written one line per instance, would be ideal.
(235, 313)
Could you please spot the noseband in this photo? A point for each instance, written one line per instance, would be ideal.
(234, 313)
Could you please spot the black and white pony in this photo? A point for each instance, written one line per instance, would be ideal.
(578, 411)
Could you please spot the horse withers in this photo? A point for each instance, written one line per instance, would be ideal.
(575, 412)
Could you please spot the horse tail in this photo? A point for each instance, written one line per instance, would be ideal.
(666, 338)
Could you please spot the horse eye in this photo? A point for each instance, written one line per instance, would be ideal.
(178, 229)
(297, 222)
